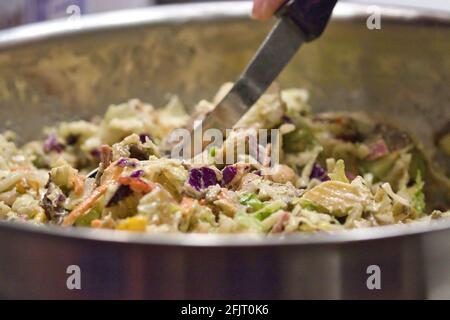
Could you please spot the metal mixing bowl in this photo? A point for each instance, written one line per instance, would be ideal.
(64, 70)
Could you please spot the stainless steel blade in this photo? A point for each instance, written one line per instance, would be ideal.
(275, 53)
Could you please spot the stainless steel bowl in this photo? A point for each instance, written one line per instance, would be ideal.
(65, 70)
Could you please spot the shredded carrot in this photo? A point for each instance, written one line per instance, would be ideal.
(116, 173)
(78, 183)
(136, 184)
(96, 224)
(89, 202)
(85, 206)
(19, 168)
(187, 203)
(112, 172)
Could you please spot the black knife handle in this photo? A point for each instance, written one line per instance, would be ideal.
(311, 16)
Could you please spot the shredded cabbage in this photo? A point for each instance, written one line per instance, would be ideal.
(337, 171)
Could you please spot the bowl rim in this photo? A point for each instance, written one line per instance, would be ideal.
(203, 12)
(198, 12)
(340, 237)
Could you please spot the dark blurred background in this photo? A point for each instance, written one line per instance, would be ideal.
(17, 12)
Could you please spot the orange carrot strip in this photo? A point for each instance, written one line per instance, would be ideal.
(186, 203)
(137, 185)
(96, 224)
(78, 184)
(19, 168)
(85, 206)
(112, 172)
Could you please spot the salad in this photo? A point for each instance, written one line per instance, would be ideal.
(336, 171)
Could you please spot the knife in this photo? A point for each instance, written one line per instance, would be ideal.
(299, 21)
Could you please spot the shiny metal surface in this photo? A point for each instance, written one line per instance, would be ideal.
(55, 71)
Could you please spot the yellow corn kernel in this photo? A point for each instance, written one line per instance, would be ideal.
(40, 217)
(21, 186)
(137, 224)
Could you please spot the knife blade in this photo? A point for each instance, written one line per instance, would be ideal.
(299, 21)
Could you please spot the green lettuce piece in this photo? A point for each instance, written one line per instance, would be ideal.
(251, 200)
(380, 167)
(268, 209)
(248, 222)
(301, 139)
(338, 173)
(418, 163)
(311, 206)
(85, 220)
(418, 198)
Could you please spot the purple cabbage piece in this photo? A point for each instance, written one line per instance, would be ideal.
(287, 119)
(121, 193)
(137, 174)
(319, 173)
(229, 173)
(143, 137)
(350, 175)
(52, 144)
(352, 137)
(96, 153)
(202, 178)
(123, 163)
(195, 179)
(72, 139)
(61, 198)
(209, 177)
